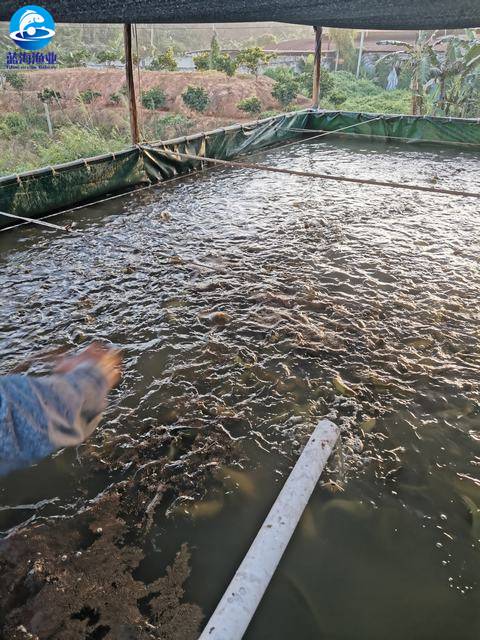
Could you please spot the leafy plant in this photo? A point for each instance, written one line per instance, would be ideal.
(75, 58)
(165, 61)
(252, 58)
(88, 96)
(337, 97)
(13, 124)
(17, 81)
(417, 58)
(344, 42)
(196, 98)
(172, 125)
(115, 98)
(75, 142)
(285, 91)
(250, 105)
(215, 60)
(202, 61)
(154, 98)
(47, 95)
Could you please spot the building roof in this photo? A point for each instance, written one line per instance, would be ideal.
(361, 14)
(371, 43)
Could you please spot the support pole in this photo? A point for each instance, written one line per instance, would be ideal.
(242, 597)
(360, 53)
(132, 98)
(316, 66)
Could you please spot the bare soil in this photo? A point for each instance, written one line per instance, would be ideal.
(224, 92)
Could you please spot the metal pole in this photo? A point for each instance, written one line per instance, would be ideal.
(316, 67)
(132, 98)
(242, 597)
(360, 53)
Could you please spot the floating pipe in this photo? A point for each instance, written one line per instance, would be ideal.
(242, 596)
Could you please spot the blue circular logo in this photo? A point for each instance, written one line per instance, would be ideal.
(32, 27)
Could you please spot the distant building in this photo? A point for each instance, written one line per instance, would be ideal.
(290, 53)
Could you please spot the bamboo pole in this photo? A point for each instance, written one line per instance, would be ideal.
(132, 98)
(316, 66)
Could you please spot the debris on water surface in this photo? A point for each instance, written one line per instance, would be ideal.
(342, 387)
(219, 318)
(368, 424)
(93, 593)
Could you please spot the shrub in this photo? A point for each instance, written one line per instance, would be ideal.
(196, 98)
(16, 81)
(154, 98)
(165, 61)
(13, 124)
(336, 97)
(75, 142)
(202, 61)
(47, 95)
(252, 58)
(269, 114)
(250, 105)
(226, 64)
(398, 101)
(115, 98)
(88, 96)
(285, 91)
(172, 125)
(279, 73)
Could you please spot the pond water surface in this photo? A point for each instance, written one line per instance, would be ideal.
(252, 305)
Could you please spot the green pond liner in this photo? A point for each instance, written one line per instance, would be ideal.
(49, 190)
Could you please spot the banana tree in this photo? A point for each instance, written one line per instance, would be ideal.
(418, 58)
(456, 76)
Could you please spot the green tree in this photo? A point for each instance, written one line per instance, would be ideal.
(285, 91)
(75, 58)
(154, 98)
(88, 96)
(250, 105)
(215, 59)
(305, 78)
(252, 58)
(215, 52)
(196, 98)
(202, 61)
(418, 58)
(17, 81)
(165, 61)
(455, 81)
(344, 42)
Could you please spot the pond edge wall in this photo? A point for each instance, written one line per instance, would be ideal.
(53, 189)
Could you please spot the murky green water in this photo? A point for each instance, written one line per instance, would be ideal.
(316, 280)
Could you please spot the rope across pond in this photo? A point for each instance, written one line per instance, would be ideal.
(323, 176)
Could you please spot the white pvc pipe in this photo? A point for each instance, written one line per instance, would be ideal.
(242, 597)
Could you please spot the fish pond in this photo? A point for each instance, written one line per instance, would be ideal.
(248, 306)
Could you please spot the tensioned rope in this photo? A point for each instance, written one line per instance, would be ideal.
(323, 176)
(474, 145)
(217, 161)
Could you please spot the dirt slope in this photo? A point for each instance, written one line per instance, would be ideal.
(224, 92)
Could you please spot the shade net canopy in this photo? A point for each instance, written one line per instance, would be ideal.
(360, 14)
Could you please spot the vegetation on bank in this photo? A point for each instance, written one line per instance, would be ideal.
(44, 130)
